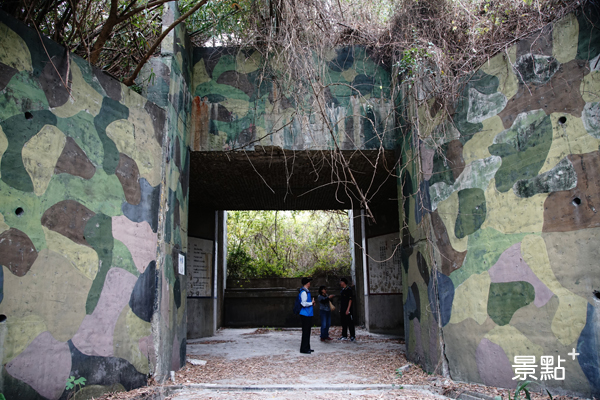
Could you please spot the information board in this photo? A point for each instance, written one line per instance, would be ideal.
(385, 264)
(199, 267)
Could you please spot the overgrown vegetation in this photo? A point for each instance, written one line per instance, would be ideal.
(265, 244)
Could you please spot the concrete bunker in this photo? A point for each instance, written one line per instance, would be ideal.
(499, 216)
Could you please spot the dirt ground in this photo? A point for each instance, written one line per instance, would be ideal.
(266, 363)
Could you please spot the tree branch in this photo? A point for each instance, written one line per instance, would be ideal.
(130, 80)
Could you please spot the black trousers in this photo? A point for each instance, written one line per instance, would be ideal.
(347, 324)
(306, 325)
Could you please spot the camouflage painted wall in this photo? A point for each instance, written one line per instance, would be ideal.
(169, 89)
(239, 102)
(509, 193)
(84, 199)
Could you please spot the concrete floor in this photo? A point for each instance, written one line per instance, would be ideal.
(242, 343)
(285, 373)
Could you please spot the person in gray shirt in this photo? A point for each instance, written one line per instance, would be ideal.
(324, 312)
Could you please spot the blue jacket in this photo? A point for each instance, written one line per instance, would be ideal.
(307, 311)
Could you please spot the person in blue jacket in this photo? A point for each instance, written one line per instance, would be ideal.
(306, 314)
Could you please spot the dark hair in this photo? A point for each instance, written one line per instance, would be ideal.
(321, 289)
(344, 280)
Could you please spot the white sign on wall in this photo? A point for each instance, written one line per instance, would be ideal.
(200, 267)
(181, 264)
(385, 264)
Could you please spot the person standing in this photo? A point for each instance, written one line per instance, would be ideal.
(324, 312)
(346, 300)
(306, 314)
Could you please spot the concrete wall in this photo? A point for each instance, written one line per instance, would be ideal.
(200, 322)
(269, 302)
(205, 315)
(239, 102)
(93, 181)
(384, 309)
(170, 90)
(510, 204)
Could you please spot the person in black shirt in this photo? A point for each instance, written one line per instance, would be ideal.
(346, 302)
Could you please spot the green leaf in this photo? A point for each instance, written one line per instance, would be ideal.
(80, 381)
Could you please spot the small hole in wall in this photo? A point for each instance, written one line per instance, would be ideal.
(562, 120)
(597, 295)
(576, 201)
(28, 115)
(19, 211)
(2, 317)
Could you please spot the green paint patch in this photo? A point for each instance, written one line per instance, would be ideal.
(169, 272)
(18, 130)
(88, 75)
(226, 63)
(441, 170)
(111, 111)
(561, 177)
(122, 258)
(588, 42)
(507, 297)
(102, 193)
(214, 88)
(483, 250)
(98, 233)
(471, 212)
(21, 87)
(523, 148)
(27, 222)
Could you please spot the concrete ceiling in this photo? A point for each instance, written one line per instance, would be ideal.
(270, 178)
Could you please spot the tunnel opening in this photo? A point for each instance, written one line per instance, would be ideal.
(285, 181)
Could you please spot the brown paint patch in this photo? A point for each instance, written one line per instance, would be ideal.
(159, 117)
(74, 161)
(237, 80)
(54, 77)
(17, 252)
(455, 158)
(68, 218)
(561, 94)
(200, 123)
(129, 175)
(451, 259)
(111, 86)
(6, 74)
(575, 209)
(222, 114)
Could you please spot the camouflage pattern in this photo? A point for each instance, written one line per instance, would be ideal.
(508, 192)
(93, 177)
(242, 100)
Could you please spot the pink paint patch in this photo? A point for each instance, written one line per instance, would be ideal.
(494, 366)
(175, 358)
(139, 239)
(146, 346)
(95, 334)
(511, 267)
(44, 365)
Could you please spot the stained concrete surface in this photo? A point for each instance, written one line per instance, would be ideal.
(278, 351)
(243, 343)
